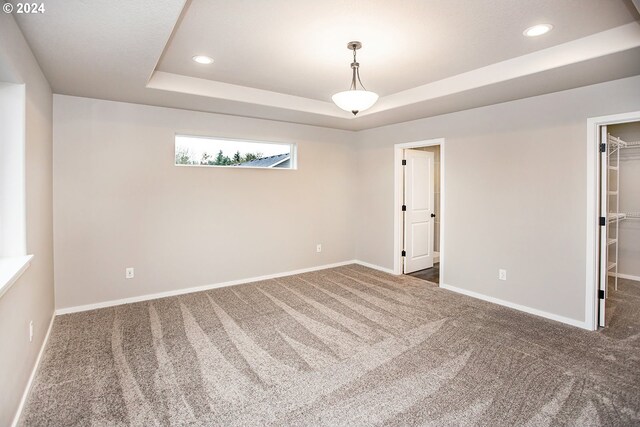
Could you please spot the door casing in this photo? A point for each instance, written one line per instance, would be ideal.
(593, 211)
(397, 202)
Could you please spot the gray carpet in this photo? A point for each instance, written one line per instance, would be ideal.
(623, 310)
(344, 346)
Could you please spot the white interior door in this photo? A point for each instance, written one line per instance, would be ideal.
(419, 213)
(604, 228)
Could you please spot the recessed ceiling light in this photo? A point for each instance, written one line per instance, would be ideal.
(201, 59)
(537, 30)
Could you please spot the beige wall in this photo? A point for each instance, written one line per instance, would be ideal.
(515, 191)
(120, 202)
(629, 242)
(31, 297)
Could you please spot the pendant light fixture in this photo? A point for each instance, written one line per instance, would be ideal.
(354, 99)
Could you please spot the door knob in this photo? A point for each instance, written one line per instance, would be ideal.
(433, 215)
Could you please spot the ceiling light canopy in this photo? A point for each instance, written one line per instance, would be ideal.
(201, 59)
(354, 99)
(537, 30)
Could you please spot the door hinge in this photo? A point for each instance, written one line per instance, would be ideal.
(603, 148)
(603, 221)
(601, 293)
(404, 253)
(404, 208)
(404, 162)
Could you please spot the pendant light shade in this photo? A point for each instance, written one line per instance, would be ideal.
(354, 99)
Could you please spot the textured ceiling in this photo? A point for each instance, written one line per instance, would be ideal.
(283, 60)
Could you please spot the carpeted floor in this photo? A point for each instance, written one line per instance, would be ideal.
(344, 346)
(623, 310)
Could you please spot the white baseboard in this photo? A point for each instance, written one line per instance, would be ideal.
(27, 389)
(530, 310)
(625, 276)
(375, 267)
(148, 297)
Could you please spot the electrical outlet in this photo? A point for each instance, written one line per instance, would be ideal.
(129, 273)
(31, 331)
(502, 274)
(319, 248)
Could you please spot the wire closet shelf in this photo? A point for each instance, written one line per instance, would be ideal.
(613, 148)
(615, 144)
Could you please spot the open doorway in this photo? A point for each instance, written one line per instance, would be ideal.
(419, 209)
(621, 254)
(615, 296)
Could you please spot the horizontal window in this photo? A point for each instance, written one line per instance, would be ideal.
(204, 151)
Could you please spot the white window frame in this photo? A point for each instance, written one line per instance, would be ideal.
(293, 150)
(13, 237)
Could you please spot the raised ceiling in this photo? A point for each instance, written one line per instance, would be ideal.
(282, 60)
(302, 50)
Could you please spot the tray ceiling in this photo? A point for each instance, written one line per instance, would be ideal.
(275, 61)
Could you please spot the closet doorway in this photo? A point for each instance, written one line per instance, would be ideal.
(419, 209)
(617, 264)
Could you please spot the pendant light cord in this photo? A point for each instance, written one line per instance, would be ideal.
(353, 80)
(356, 72)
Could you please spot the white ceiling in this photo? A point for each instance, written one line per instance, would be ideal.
(283, 62)
(302, 50)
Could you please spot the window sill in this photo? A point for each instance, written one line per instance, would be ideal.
(11, 268)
